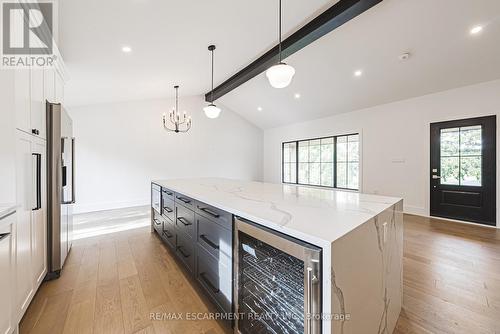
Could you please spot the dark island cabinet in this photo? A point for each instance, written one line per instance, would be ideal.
(201, 237)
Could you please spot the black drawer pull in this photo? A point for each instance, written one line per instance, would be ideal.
(168, 193)
(166, 208)
(184, 199)
(209, 242)
(210, 212)
(179, 248)
(184, 221)
(167, 234)
(157, 222)
(207, 282)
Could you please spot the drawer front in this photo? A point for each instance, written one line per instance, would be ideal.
(185, 251)
(168, 234)
(157, 222)
(215, 276)
(167, 193)
(213, 237)
(185, 201)
(168, 208)
(185, 220)
(217, 215)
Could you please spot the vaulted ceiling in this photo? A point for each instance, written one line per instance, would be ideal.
(169, 40)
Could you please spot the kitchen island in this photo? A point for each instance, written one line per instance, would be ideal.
(360, 238)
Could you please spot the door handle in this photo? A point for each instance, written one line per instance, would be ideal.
(38, 181)
(436, 177)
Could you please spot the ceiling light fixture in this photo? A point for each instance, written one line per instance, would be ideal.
(281, 74)
(175, 118)
(126, 49)
(212, 111)
(476, 30)
(296, 95)
(259, 108)
(358, 73)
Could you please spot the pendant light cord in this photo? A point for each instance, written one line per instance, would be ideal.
(212, 94)
(279, 31)
(177, 99)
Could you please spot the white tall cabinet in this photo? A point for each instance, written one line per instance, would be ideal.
(32, 88)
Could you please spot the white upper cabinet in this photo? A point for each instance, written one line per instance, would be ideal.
(22, 88)
(37, 112)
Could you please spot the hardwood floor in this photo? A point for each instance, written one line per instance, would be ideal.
(112, 282)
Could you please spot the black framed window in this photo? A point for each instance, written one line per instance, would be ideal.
(327, 162)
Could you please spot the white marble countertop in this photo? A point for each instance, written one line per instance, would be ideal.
(316, 215)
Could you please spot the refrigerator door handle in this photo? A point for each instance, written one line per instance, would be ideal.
(38, 180)
(73, 197)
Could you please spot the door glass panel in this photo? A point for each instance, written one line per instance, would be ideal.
(327, 174)
(470, 141)
(450, 170)
(470, 171)
(450, 142)
(461, 150)
(314, 174)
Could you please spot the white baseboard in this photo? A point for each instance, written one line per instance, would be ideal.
(91, 207)
(415, 210)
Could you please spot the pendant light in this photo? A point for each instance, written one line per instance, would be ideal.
(212, 111)
(281, 74)
(175, 122)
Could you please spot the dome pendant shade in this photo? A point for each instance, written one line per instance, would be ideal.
(212, 111)
(280, 75)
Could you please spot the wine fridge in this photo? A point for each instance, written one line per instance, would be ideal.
(277, 280)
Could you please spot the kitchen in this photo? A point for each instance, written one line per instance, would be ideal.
(329, 169)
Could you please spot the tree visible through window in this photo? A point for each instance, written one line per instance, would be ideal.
(328, 162)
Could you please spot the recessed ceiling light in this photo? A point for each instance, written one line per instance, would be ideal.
(358, 73)
(126, 49)
(476, 30)
(259, 108)
(296, 95)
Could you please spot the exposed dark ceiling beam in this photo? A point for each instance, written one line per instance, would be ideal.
(335, 16)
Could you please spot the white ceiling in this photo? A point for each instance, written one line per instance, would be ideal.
(444, 56)
(169, 40)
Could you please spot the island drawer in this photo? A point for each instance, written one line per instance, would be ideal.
(217, 215)
(167, 193)
(168, 208)
(157, 222)
(215, 276)
(185, 201)
(185, 220)
(168, 234)
(213, 237)
(185, 251)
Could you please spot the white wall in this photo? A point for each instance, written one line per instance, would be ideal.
(121, 147)
(395, 139)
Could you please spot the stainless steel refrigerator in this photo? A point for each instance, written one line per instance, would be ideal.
(60, 186)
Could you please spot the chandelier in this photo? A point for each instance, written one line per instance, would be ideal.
(175, 122)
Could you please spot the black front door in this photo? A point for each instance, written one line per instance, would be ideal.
(463, 170)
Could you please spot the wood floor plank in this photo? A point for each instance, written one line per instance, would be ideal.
(134, 306)
(108, 317)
